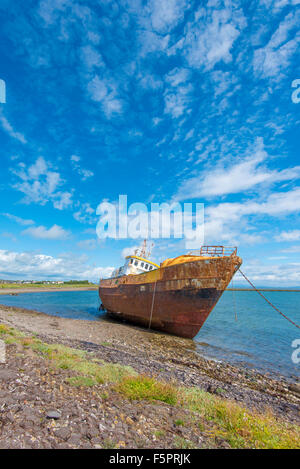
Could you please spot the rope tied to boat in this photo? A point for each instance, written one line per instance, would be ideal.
(266, 299)
(151, 312)
(234, 300)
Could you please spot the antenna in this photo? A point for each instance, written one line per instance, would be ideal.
(149, 251)
(143, 249)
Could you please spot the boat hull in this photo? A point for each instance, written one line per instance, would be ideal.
(175, 299)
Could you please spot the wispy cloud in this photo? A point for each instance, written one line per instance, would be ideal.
(234, 178)
(84, 173)
(19, 220)
(54, 233)
(275, 57)
(40, 185)
(210, 36)
(105, 92)
(8, 128)
(85, 213)
(292, 235)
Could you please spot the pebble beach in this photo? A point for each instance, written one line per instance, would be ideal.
(99, 416)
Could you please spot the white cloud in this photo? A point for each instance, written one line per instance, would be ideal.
(210, 36)
(19, 220)
(177, 95)
(10, 130)
(105, 92)
(40, 232)
(293, 235)
(235, 178)
(28, 265)
(276, 56)
(39, 184)
(7, 234)
(91, 57)
(292, 249)
(50, 9)
(166, 14)
(129, 251)
(75, 158)
(281, 274)
(84, 173)
(232, 222)
(152, 42)
(85, 214)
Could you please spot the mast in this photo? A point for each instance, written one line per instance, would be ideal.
(143, 249)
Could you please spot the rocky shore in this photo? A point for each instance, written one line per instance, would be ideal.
(99, 416)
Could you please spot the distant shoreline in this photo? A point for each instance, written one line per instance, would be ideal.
(46, 289)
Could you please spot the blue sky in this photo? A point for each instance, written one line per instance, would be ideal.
(160, 100)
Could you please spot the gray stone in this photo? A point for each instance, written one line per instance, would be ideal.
(75, 439)
(63, 433)
(53, 414)
(6, 375)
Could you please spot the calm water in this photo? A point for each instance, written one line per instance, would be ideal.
(260, 338)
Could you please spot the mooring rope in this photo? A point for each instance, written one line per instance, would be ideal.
(152, 304)
(234, 299)
(266, 299)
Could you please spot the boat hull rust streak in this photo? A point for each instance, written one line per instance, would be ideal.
(184, 294)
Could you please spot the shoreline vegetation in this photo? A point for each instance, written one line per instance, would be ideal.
(16, 288)
(77, 384)
(8, 288)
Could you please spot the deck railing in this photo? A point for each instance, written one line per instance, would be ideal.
(215, 251)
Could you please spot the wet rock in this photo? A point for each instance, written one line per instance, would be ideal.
(53, 414)
(295, 387)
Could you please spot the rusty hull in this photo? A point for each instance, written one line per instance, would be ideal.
(180, 296)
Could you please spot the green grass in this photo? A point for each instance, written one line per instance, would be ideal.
(182, 443)
(179, 423)
(230, 421)
(143, 387)
(81, 381)
(96, 371)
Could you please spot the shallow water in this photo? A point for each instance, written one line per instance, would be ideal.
(260, 338)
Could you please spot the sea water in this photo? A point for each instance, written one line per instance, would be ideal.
(242, 329)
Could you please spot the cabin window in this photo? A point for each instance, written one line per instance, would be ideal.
(150, 268)
(146, 266)
(131, 261)
(142, 264)
(136, 263)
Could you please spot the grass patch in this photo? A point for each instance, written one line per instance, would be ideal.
(67, 358)
(143, 387)
(179, 423)
(81, 381)
(4, 329)
(240, 427)
(181, 443)
(108, 444)
(228, 420)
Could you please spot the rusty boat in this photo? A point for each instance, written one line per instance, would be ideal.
(176, 296)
